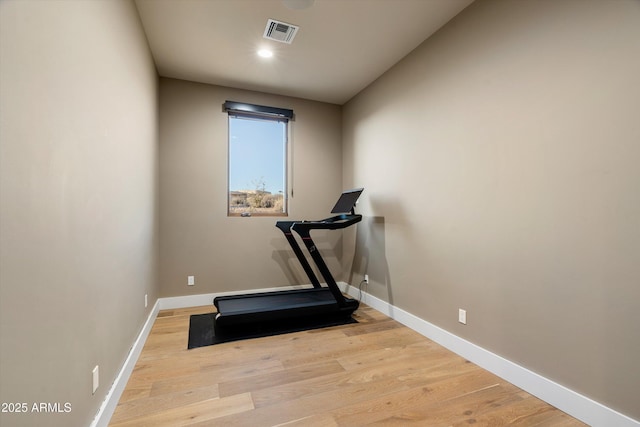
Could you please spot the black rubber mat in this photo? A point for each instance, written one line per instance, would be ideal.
(201, 332)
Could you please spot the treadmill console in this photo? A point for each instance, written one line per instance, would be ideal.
(345, 207)
(347, 201)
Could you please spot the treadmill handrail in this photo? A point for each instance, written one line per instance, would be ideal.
(332, 223)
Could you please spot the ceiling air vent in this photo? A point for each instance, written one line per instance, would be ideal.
(280, 31)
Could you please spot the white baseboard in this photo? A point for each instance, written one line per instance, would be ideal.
(574, 404)
(113, 396)
(578, 406)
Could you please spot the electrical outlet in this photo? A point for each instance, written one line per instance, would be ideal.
(146, 300)
(191, 280)
(96, 379)
(366, 278)
(462, 316)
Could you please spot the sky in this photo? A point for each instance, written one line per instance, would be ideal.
(256, 154)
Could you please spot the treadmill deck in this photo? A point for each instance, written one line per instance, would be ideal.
(267, 306)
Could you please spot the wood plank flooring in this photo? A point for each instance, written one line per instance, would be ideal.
(376, 372)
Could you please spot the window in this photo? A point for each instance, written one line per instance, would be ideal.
(257, 160)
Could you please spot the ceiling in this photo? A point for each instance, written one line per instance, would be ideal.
(341, 47)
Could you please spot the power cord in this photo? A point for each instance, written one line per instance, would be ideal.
(366, 280)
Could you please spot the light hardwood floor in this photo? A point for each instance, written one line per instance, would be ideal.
(376, 372)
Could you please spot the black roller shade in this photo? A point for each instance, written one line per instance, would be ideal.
(261, 110)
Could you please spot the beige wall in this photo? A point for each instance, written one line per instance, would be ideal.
(501, 162)
(78, 179)
(196, 236)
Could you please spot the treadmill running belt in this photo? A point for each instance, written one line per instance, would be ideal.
(275, 301)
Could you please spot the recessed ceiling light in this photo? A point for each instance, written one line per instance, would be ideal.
(265, 53)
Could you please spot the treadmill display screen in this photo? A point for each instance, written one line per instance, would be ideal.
(347, 201)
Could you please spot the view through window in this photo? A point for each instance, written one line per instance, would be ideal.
(257, 165)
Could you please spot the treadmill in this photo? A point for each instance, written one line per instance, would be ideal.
(246, 313)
